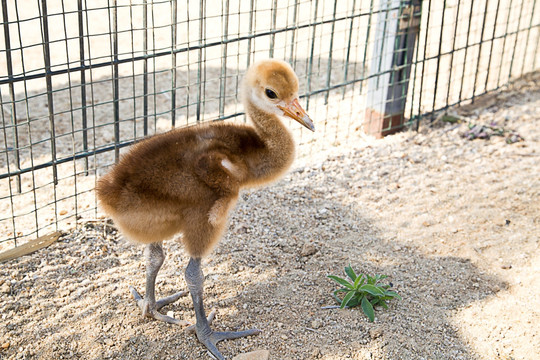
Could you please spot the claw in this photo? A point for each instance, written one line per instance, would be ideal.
(170, 299)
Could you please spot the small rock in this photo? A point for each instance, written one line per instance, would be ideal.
(5, 345)
(5, 289)
(316, 324)
(308, 249)
(253, 355)
(109, 342)
(322, 214)
(375, 333)
(170, 313)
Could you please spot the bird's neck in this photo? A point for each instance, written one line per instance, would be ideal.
(279, 144)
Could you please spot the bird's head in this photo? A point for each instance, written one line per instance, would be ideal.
(272, 86)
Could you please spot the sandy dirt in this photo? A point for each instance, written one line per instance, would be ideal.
(453, 222)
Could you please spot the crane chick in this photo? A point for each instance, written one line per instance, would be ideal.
(186, 181)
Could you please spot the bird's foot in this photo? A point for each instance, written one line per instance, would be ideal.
(151, 310)
(210, 338)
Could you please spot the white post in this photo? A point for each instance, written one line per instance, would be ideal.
(397, 26)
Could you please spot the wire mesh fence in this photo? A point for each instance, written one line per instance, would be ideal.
(81, 80)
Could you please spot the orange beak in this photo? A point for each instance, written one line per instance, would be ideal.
(295, 111)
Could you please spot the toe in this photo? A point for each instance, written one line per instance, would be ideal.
(135, 293)
(165, 318)
(170, 299)
(227, 335)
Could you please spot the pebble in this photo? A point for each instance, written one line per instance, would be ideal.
(316, 324)
(375, 333)
(5, 289)
(5, 345)
(308, 249)
(253, 355)
(109, 342)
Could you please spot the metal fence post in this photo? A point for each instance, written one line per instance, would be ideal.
(396, 29)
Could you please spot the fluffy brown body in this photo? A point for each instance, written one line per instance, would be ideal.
(177, 182)
(186, 180)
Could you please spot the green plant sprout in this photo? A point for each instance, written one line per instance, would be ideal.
(363, 290)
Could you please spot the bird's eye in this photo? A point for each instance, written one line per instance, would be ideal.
(270, 94)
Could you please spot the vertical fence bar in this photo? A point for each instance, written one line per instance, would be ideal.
(250, 31)
(331, 49)
(223, 76)
(480, 50)
(188, 65)
(504, 42)
(466, 51)
(154, 67)
(419, 118)
(133, 71)
(13, 117)
(250, 39)
(348, 55)
(416, 118)
(71, 117)
(438, 60)
(115, 84)
(364, 58)
(311, 52)
(174, 29)
(452, 55)
(528, 37)
(202, 5)
(536, 43)
(83, 84)
(145, 68)
(492, 41)
(397, 29)
(29, 131)
(48, 79)
(515, 41)
(92, 98)
(293, 33)
(8, 167)
(273, 28)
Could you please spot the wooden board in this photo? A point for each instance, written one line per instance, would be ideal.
(30, 247)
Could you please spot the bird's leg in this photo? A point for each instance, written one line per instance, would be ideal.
(195, 279)
(154, 259)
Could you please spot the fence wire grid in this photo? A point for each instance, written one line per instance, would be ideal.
(81, 80)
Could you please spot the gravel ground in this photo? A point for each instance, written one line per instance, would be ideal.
(453, 222)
